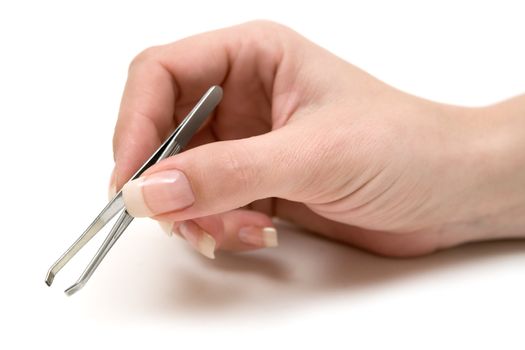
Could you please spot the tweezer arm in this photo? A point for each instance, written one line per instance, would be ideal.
(113, 207)
(118, 229)
(109, 211)
(173, 144)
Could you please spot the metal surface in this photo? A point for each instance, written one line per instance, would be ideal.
(173, 145)
(112, 209)
(120, 226)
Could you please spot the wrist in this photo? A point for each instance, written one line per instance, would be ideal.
(496, 179)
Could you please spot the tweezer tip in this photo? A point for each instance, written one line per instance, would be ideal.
(73, 289)
(49, 278)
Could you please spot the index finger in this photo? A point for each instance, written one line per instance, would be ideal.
(158, 79)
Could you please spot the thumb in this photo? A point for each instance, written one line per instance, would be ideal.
(217, 177)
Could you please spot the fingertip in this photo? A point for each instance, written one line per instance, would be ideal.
(259, 237)
(248, 230)
(166, 227)
(238, 230)
(201, 240)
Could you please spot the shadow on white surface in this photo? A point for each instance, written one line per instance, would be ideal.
(150, 275)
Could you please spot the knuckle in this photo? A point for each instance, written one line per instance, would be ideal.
(147, 55)
(240, 169)
(265, 24)
(263, 29)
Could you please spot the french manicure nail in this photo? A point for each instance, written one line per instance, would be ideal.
(158, 193)
(264, 237)
(166, 227)
(199, 239)
(170, 228)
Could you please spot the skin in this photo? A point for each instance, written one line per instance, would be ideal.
(307, 137)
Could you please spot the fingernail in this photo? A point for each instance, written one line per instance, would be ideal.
(175, 229)
(112, 190)
(199, 239)
(158, 193)
(264, 237)
(166, 227)
(170, 228)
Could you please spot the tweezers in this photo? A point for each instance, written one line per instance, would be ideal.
(173, 145)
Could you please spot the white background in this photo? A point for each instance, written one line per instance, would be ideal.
(62, 69)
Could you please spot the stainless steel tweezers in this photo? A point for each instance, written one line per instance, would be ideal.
(173, 145)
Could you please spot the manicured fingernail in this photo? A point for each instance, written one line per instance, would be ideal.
(158, 193)
(112, 190)
(199, 239)
(166, 227)
(170, 228)
(175, 229)
(263, 237)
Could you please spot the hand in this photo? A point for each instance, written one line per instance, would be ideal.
(307, 137)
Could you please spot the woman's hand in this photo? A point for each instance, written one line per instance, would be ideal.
(307, 137)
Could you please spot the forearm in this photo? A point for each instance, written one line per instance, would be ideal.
(508, 118)
(499, 141)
